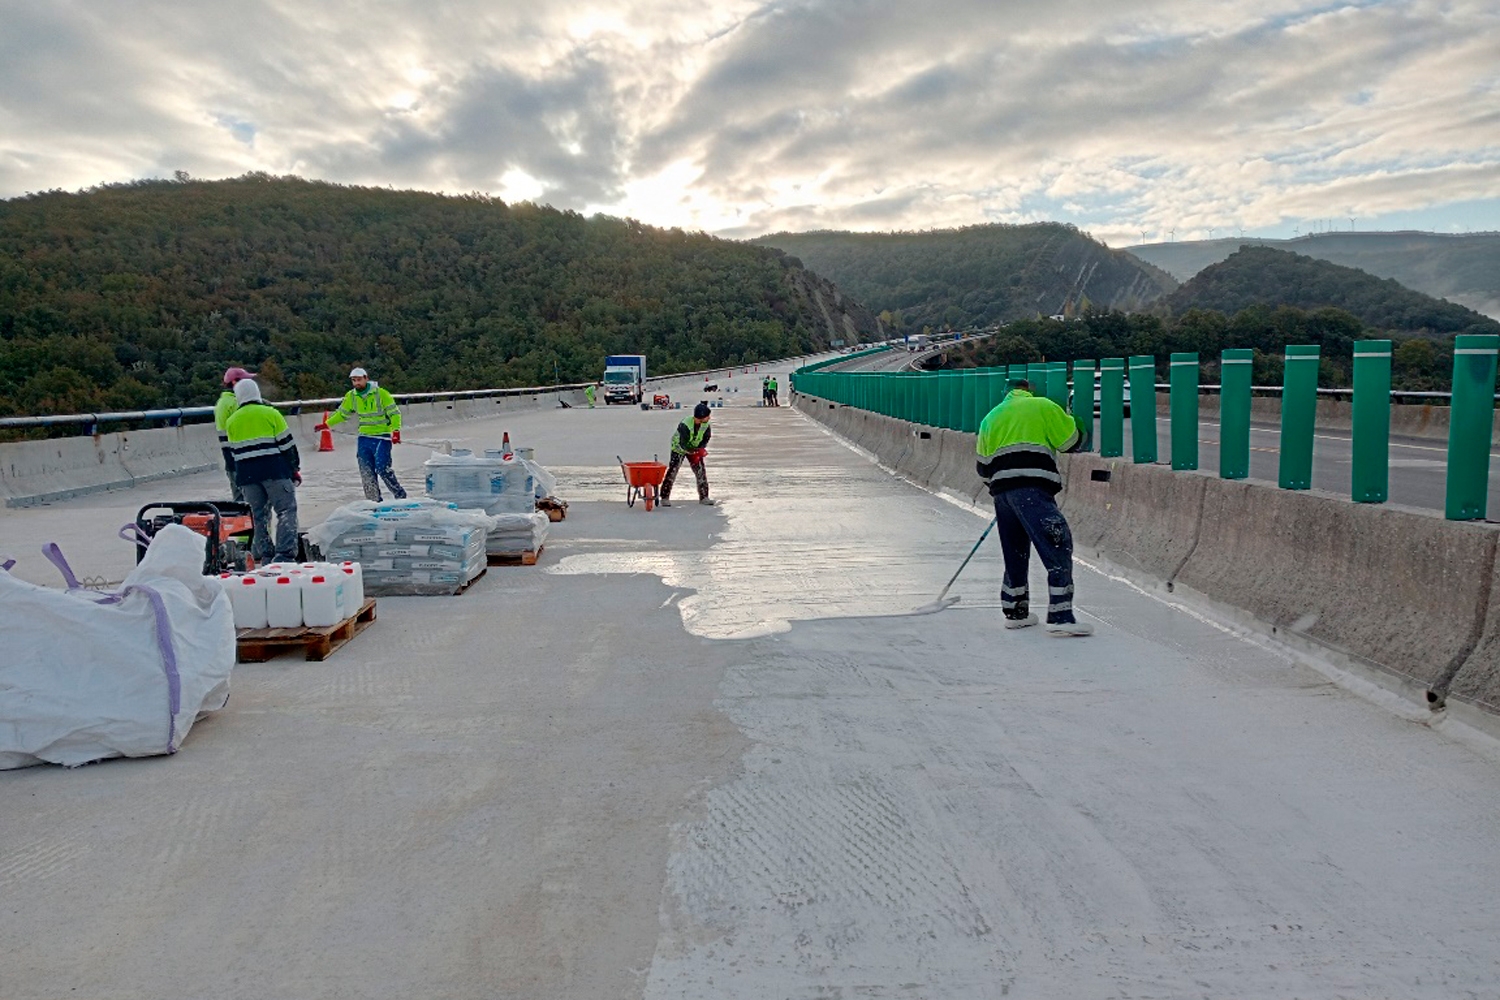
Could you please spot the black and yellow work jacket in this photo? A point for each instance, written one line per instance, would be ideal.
(691, 436)
(1019, 440)
(262, 444)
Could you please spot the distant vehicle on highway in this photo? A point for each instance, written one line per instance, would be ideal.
(1098, 394)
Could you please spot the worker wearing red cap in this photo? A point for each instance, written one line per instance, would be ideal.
(223, 410)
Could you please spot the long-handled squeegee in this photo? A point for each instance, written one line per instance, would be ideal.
(943, 600)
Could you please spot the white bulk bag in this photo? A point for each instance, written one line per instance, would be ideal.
(86, 675)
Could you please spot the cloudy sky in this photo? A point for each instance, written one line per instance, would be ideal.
(1177, 118)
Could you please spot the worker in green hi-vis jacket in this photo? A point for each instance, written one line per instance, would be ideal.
(690, 441)
(1018, 443)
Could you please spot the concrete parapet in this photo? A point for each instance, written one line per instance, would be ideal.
(1389, 586)
(33, 472)
(1139, 516)
(1477, 680)
(956, 473)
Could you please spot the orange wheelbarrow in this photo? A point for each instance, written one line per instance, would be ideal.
(642, 480)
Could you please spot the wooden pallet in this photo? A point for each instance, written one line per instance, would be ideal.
(527, 558)
(257, 645)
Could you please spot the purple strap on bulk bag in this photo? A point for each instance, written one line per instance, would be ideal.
(163, 631)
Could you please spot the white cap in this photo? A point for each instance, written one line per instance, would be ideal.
(358, 373)
(246, 391)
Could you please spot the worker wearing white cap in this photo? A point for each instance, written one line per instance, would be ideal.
(379, 428)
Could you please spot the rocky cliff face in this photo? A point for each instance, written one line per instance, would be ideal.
(1068, 275)
(978, 276)
(841, 317)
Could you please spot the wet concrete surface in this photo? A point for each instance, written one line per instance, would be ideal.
(686, 756)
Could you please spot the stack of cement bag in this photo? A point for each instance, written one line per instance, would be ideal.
(517, 533)
(86, 675)
(502, 485)
(407, 546)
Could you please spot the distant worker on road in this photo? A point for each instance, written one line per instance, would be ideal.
(1018, 444)
(223, 408)
(379, 428)
(774, 389)
(765, 391)
(690, 442)
(268, 470)
(590, 394)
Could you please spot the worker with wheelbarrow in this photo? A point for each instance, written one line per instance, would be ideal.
(690, 442)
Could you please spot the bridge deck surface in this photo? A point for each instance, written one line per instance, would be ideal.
(685, 756)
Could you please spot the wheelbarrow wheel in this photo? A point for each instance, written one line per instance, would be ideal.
(650, 493)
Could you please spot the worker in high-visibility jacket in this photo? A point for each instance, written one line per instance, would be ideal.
(222, 410)
(379, 428)
(268, 470)
(690, 441)
(1018, 444)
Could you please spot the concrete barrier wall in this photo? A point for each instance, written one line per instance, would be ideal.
(38, 471)
(1392, 592)
(33, 472)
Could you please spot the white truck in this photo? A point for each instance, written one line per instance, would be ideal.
(624, 378)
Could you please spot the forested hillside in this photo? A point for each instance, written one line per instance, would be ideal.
(1418, 363)
(1262, 276)
(979, 275)
(1460, 267)
(139, 295)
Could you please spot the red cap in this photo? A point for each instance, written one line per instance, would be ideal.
(233, 375)
(318, 579)
(283, 579)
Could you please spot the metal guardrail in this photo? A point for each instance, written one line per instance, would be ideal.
(176, 416)
(959, 399)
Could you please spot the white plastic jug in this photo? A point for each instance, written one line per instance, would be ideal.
(322, 600)
(354, 588)
(284, 603)
(247, 596)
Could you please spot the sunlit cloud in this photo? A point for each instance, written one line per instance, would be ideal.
(1165, 117)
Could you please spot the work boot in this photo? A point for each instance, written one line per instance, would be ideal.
(663, 502)
(1065, 629)
(1029, 620)
(708, 502)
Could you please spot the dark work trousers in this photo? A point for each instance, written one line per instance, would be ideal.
(374, 455)
(698, 470)
(279, 495)
(235, 493)
(1027, 516)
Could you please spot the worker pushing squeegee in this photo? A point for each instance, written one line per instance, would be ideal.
(1018, 442)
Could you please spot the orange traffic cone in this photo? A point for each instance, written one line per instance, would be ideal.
(325, 437)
